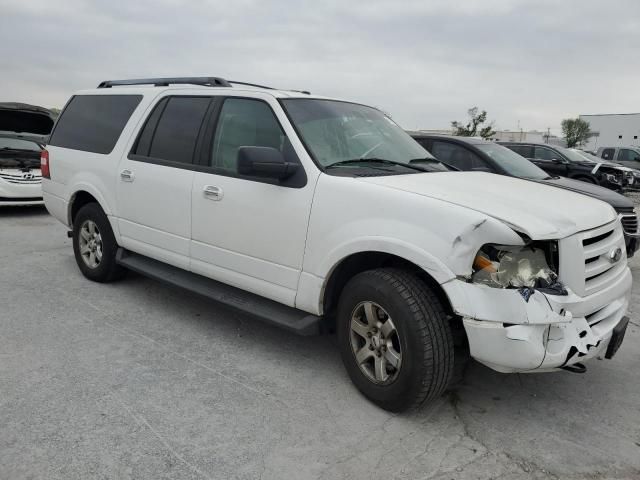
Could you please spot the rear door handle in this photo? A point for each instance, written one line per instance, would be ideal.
(126, 175)
(212, 193)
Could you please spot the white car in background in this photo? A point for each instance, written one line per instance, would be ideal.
(23, 129)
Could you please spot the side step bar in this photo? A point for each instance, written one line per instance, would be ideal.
(264, 309)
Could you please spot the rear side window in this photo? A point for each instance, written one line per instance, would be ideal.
(607, 153)
(522, 150)
(458, 156)
(93, 123)
(172, 129)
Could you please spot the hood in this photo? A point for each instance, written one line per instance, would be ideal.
(614, 199)
(26, 120)
(539, 211)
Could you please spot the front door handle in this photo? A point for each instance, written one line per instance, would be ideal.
(126, 175)
(212, 193)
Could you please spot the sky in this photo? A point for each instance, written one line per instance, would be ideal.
(426, 62)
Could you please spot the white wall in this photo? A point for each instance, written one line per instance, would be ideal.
(611, 127)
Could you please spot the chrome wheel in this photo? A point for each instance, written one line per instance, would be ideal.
(90, 241)
(375, 343)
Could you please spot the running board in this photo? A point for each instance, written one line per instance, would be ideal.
(275, 313)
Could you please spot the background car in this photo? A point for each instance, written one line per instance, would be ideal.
(632, 182)
(470, 153)
(627, 156)
(23, 130)
(561, 161)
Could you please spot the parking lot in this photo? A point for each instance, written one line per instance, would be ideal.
(138, 380)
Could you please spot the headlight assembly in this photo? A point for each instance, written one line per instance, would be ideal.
(521, 267)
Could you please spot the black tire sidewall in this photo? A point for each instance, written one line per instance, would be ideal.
(402, 392)
(107, 269)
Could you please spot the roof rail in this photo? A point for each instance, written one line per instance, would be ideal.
(252, 85)
(165, 82)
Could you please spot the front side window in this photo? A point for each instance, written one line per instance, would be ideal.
(337, 132)
(245, 123)
(544, 153)
(627, 155)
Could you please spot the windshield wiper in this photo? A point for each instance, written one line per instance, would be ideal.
(383, 161)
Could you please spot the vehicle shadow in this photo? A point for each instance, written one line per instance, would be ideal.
(22, 211)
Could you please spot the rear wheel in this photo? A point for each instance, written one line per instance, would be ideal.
(94, 245)
(394, 338)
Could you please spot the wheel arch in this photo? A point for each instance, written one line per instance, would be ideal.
(356, 263)
(83, 194)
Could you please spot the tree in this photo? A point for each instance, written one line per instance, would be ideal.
(476, 121)
(575, 131)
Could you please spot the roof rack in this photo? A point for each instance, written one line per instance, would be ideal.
(203, 81)
(165, 82)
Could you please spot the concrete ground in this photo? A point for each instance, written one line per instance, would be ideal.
(138, 380)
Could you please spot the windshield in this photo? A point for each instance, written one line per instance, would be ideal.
(512, 163)
(18, 144)
(337, 131)
(588, 156)
(571, 155)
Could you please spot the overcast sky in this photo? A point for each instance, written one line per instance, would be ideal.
(425, 62)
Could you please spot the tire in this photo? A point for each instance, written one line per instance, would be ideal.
(92, 231)
(422, 338)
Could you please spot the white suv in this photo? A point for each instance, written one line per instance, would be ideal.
(319, 215)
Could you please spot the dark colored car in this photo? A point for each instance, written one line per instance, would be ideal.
(467, 153)
(559, 161)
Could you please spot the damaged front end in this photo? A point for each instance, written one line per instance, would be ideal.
(520, 316)
(526, 268)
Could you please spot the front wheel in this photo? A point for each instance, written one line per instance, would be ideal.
(394, 338)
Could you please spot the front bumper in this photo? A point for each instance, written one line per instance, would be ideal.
(546, 333)
(20, 194)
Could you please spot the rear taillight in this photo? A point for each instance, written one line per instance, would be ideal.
(44, 164)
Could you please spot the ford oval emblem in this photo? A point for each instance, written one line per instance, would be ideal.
(615, 255)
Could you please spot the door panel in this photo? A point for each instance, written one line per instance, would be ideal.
(155, 209)
(248, 233)
(154, 182)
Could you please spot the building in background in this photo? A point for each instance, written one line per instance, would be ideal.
(533, 136)
(613, 130)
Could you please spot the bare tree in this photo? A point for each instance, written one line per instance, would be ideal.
(475, 125)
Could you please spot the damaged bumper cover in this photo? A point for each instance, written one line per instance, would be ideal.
(510, 334)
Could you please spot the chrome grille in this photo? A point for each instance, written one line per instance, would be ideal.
(586, 265)
(629, 223)
(22, 178)
(599, 269)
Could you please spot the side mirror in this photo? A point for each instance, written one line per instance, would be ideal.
(264, 162)
(559, 160)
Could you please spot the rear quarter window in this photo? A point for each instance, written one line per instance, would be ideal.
(93, 123)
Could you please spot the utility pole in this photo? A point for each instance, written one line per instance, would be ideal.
(548, 134)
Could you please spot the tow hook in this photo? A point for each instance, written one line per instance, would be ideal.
(575, 368)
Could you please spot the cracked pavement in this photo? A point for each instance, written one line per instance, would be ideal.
(138, 380)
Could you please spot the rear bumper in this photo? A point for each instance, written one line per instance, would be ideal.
(547, 332)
